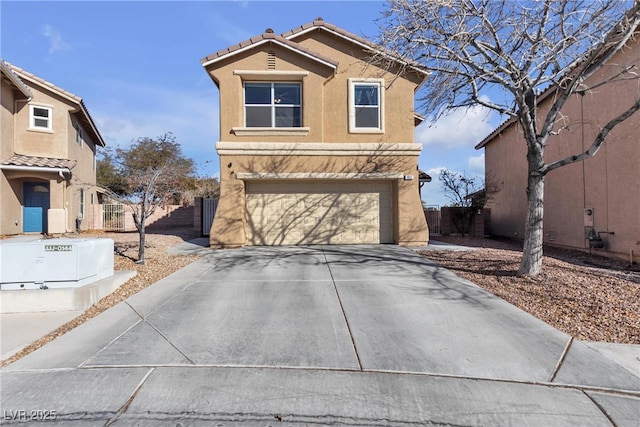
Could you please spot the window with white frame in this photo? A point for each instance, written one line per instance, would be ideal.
(81, 216)
(78, 129)
(40, 117)
(366, 113)
(273, 104)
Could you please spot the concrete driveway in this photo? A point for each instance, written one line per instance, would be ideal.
(323, 335)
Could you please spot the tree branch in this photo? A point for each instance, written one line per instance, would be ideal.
(597, 143)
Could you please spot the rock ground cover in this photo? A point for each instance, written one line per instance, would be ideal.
(589, 297)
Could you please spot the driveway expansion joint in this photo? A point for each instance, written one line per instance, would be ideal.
(556, 369)
(124, 407)
(344, 314)
(364, 371)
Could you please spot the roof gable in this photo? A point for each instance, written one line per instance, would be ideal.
(322, 25)
(81, 109)
(287, 40)
(13, 78)
(268, 37)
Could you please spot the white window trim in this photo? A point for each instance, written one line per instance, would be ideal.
(272, 105)
(352, 109)
(32, 125)
(82, 200)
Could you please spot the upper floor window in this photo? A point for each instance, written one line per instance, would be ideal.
(40, 117)
(272, 104)
(366, 112)
(78, 129)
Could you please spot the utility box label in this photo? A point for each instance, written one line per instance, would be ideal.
(58, 248)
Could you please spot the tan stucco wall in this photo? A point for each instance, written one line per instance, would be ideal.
(83, 175)
(325, 110)
(10, 192)
(43, 143)
(608, 183)
(60, 143)
(228, 229)
(353, 63)
(325, 92)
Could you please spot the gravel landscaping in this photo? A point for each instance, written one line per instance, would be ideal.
(591, 298)
(595, 302)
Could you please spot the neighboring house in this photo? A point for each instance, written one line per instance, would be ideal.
(317, 144)
(597, 198)
(47, 155)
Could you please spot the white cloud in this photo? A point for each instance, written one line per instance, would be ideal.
(476, 164)
(243, 3)
(56, 44)
(435, 172)
(192, 117)
(464, 127)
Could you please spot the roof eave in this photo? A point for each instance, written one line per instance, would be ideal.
(207, 61)
(365, 45)
(13, 78)
(74, 99)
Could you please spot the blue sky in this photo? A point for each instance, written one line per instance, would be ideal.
(137, 67)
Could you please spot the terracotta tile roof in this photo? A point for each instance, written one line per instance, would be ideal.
(83, 112)
(8, 72)
(267, 36)
(42, 162)
(320, 23)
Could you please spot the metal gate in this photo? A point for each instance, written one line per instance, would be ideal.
(432, 214)
(209, 207)
(113, 217)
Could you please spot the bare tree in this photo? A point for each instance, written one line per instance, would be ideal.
(146, 175)
(467, 194)
(501, 54)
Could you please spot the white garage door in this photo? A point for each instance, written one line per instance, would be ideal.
(305, 212)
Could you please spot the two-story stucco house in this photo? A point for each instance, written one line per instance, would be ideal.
(317, 143)
(48, 146)
(587, 204)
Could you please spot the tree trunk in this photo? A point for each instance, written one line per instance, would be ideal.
(141, 233)
(140, 224)
(531, 264)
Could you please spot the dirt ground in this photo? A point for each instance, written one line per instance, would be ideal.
(591, 298)
(596, 302)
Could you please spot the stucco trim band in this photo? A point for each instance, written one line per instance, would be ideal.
(226, 148)
(247, 176)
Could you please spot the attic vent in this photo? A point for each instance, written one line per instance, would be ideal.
(271, 60)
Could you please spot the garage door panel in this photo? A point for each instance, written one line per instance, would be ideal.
(319, 213)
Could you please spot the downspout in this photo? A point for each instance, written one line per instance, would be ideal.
(64, 200)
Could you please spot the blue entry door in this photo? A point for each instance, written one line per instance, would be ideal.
(35, 207)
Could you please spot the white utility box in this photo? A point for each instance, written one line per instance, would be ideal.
(55, 263)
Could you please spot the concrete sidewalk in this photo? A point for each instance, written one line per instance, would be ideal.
(344, 335)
